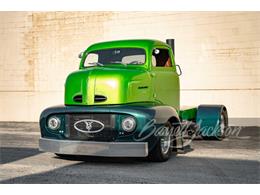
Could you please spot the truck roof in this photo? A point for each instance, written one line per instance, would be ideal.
(142, 43)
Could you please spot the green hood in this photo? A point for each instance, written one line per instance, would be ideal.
(108, 85)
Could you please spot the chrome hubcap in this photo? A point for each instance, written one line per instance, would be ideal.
(222, 125)
(165, 142)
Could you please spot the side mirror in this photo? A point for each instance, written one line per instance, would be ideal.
(80, 54)
(178, 70)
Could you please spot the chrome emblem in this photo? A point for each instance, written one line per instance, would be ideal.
(86, 126)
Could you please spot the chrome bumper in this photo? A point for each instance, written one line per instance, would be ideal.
(90, 148)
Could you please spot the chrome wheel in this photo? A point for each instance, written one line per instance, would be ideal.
(163, 147)
(222, 125)
(165, 142)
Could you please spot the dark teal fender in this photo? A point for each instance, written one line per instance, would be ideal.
(208, 119)
(149, 117)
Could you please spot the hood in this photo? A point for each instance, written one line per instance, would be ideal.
(107, 85)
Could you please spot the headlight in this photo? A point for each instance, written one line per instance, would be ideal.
(54, 123)
(128, 124)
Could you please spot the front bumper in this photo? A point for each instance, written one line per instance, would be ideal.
(91, 148)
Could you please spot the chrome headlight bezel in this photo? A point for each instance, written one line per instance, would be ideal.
(128, 124)
(53, 123)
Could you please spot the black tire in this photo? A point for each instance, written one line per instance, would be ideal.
(160, 154)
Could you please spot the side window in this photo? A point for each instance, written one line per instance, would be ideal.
(161, 58)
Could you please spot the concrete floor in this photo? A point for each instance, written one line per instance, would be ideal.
(234, 160)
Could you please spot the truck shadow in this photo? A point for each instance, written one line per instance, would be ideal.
(101, 160)
(11, 154)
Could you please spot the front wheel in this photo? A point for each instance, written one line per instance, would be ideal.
(163, 148)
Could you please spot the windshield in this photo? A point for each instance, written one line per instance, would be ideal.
(125, 56)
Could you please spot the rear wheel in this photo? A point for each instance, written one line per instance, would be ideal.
(220, 132)
(223, 124)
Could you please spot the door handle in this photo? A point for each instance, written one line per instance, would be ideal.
(152, 74)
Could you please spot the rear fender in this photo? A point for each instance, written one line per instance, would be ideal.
(208, 119)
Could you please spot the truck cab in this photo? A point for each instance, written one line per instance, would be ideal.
(121, 72)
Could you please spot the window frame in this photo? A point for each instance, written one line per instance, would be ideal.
(170, 53)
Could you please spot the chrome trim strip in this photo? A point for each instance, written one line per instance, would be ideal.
(91, 148)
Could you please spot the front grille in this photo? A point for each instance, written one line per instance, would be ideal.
(101, 127)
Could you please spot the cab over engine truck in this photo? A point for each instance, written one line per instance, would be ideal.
(124, 101)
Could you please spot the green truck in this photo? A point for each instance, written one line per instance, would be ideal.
(124, 101)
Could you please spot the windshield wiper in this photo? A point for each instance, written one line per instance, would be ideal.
(96, 63)
(118, 62)
(135, 62)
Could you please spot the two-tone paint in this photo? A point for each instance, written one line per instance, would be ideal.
(149, 94)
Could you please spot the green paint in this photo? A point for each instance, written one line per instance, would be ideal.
(122, 84)
(188, 114)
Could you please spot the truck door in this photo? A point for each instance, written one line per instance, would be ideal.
(164, 77)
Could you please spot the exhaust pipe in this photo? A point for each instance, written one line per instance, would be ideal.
(171, 43)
